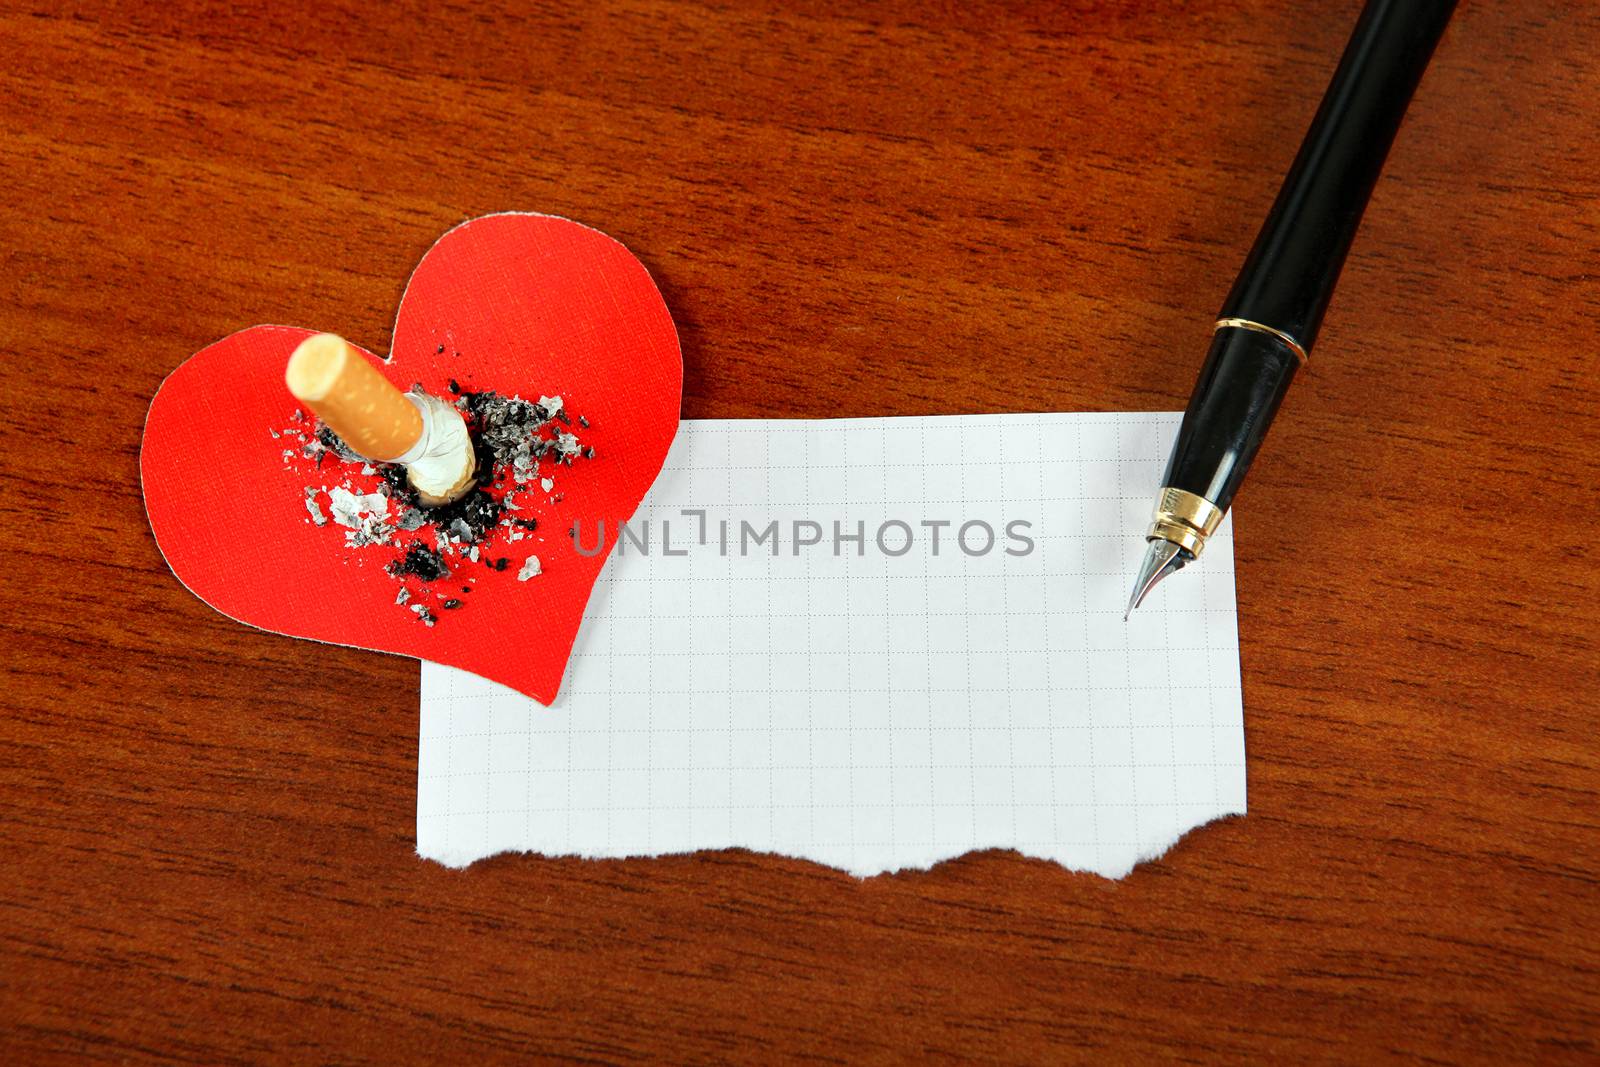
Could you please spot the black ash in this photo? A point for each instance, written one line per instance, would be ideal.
(326, 442)
(419, 562)
(470, 518)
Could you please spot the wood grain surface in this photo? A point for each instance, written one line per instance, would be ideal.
(904, 209)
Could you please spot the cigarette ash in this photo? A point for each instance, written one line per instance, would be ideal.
(519, 445)
(363, 515)
(512, 433)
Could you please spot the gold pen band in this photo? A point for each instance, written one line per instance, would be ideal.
(1185, 519)
(1246, 324)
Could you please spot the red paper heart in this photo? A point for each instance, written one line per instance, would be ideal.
(524, 304)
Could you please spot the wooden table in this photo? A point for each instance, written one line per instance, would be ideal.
(902, 211)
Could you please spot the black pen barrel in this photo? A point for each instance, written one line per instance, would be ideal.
(1245, 376)
(1270, 319)
(1289, 275)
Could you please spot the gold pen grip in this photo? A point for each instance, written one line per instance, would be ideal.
(1184, 518)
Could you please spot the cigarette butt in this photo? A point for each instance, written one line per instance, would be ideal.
(468, 479)
(346, 391)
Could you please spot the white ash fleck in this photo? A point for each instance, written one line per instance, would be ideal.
(402, 596)
(551, 406)
(546, 484)
(473, 555)
(362, 514)
(348, 508)
(423, 613)
(460, 531)
(377, 534)
(369, 469)
(530, 567)
(314, 508)
(567, 444)
(412, 519)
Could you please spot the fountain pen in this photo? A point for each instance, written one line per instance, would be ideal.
(1269, 321)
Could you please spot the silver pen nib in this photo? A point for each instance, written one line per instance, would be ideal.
(1161, 558)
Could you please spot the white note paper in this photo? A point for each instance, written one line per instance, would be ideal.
(867, 710)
